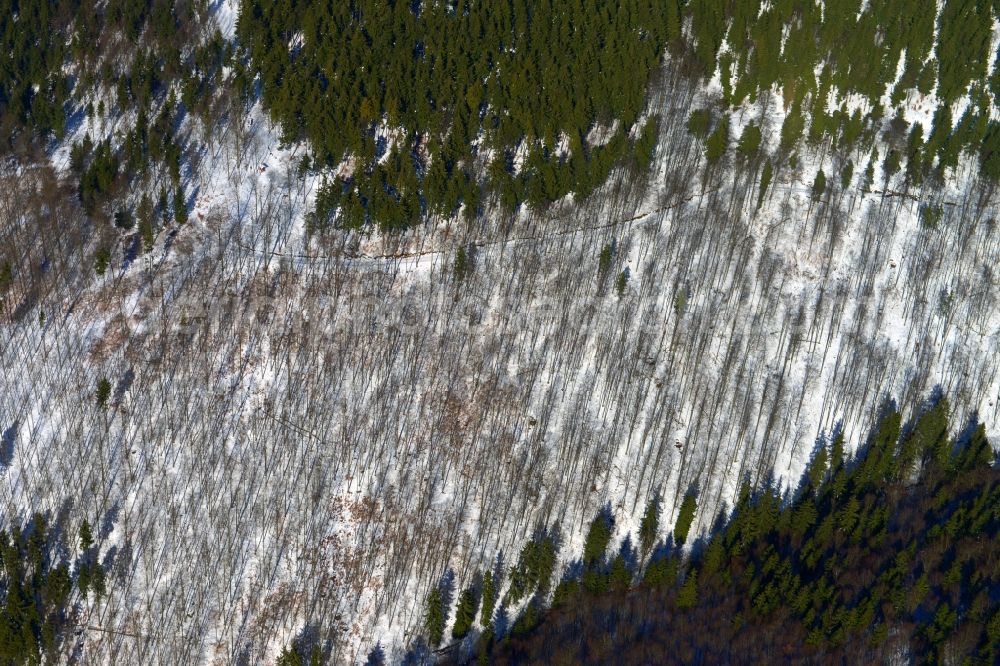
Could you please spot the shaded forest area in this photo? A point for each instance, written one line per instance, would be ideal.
(892, 552)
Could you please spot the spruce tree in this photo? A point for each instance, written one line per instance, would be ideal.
(86, 536)
(699, 122)
(687, 596)
(489, 599)
(465, 614)
(765, 182)
(685, 516)
(102, 258)
(596, 543)
(461, 263)
(289, 657)
(619, 577)
(434, 617)
(837, 451)
(715, 146)
(180, 206)
(621, 282)
(102, 393)
(817, 469)
(819, 184)
(649, 526)
(791, 129)
(846, 174)
(749, 141)
(604, 264)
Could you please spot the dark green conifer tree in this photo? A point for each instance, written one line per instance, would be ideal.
(685, 516)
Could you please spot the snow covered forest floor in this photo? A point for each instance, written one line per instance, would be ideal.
(312, 431)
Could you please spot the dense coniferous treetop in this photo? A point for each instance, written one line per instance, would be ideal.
(470, 86)
(500, 101)
(843, 67)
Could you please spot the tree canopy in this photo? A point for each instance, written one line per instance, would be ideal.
(474, 99)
